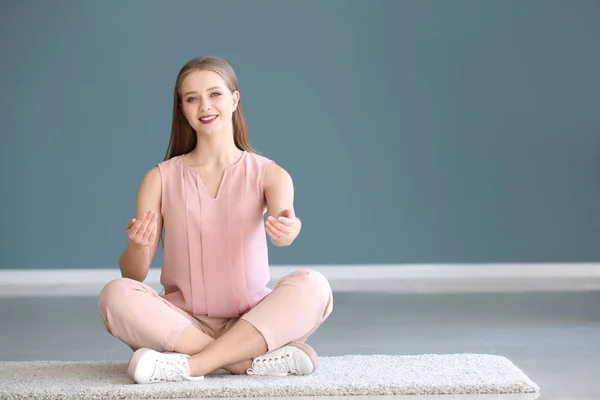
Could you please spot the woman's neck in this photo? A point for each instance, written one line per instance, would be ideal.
(215, 150)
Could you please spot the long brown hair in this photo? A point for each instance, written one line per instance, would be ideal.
(183, 138)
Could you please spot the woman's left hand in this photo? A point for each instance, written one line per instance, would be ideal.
(284, 229)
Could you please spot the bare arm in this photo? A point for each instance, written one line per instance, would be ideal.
(282, 225)
(144, 234)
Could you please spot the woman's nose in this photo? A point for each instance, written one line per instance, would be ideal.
(205, 105)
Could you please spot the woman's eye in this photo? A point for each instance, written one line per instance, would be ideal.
(189, 99)
(216, 93)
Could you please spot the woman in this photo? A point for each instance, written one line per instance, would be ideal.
(210, 195)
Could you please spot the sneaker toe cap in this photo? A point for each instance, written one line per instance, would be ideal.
(143, 371)
(304, 363)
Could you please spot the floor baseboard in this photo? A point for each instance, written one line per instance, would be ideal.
(402, 278)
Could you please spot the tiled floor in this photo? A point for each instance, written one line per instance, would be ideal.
(552, 337)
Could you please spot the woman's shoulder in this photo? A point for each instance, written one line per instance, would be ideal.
(169, 163)
(258, 159)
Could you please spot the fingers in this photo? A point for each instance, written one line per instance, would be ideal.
(282, 222)
(280, 226)
(150, 216)
(137, 223)
(149, 228)
(152, 236)
(149, 234)
(291, 222)
(274, 236)
(141, 230)
(271, 231)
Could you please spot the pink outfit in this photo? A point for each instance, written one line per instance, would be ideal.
(215, 253)
(215, 267)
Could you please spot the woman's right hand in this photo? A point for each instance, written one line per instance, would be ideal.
(142, 232)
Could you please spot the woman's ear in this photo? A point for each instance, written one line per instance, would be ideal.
(236, 99)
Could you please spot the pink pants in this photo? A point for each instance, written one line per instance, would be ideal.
(134, 313)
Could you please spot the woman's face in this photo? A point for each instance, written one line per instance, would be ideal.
(206, 102)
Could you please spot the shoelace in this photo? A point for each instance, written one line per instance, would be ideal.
(168, 370)
(266, 365)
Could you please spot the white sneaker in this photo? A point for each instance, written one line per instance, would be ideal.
(149, 366)
(295, 358)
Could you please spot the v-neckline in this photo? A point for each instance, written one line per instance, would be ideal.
(221, 182)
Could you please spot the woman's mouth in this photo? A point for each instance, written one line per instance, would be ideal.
(208, 119)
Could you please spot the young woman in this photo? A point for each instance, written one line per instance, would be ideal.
(210, 195)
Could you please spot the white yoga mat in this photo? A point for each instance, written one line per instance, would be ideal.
(352, 375)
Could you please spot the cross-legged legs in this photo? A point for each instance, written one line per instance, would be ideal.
(134, 313)
(297, 306)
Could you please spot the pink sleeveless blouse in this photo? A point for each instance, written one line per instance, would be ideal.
(215, 258)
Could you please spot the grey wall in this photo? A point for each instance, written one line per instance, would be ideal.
(415, 131)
